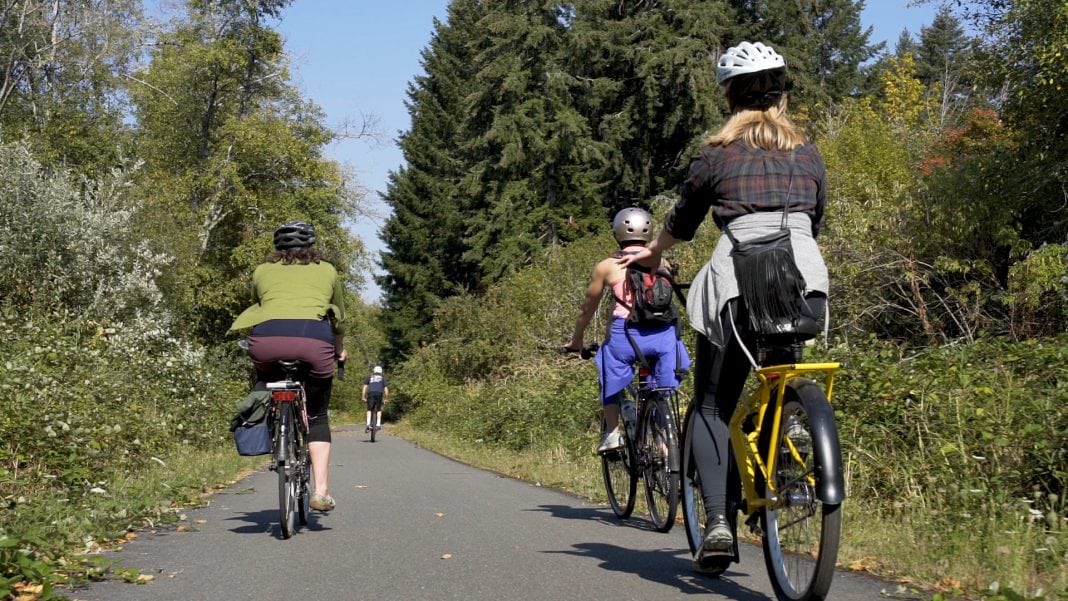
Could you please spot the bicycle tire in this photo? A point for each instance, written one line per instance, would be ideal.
(620, 477)
(374, 430)
(307, 481)
(286, 463)
(801, 532)
(304, 505)
(659, 450)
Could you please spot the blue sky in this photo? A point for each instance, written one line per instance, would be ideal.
(355, 58)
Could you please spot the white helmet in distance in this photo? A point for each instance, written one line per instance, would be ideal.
(747, 58)
(633, 224)
(377, 369)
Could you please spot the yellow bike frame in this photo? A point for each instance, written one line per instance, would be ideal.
(773, 379)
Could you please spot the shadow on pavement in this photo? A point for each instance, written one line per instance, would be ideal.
(258, 522)
(664, 567)
(597, 514)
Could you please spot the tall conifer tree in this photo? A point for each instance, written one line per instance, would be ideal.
(649, 87)
(535, 169)
(942, 49)
(427, 231)
(822, 40)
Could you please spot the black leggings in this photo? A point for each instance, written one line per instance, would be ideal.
(318, 401)
(719, 383)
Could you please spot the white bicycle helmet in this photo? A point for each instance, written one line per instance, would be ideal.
(377, 369)
(633, 224)
(747, 58)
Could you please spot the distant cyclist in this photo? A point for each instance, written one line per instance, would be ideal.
(659, 343)
(756, 167)
(298, 311)
(375, 393)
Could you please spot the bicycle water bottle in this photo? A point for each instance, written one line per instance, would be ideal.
(630, 416)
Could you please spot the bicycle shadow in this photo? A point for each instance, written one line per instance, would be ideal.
(664, 566)
(603, 515)
(266, 520)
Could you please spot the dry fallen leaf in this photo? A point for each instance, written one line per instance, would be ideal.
(131, 535)
(864, 564)
(949, 584)
(439, 514)
(142, 578)
(447, 556)
(183, 528)
(201, 521)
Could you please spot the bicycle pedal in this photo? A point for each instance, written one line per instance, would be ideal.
(754, 525)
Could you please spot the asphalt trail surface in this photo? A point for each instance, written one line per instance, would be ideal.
(412, 525)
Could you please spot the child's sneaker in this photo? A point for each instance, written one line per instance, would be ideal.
(612, 440)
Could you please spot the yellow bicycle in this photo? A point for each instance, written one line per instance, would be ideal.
(786, 475)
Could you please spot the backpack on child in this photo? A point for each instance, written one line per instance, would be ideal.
(653, 296)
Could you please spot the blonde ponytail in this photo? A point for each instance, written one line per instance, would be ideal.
(769, 129)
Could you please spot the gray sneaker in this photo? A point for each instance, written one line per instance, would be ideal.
(718, 536)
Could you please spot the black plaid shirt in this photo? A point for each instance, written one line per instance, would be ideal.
(735, 180)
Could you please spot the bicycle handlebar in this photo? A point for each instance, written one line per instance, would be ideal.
(585, 352)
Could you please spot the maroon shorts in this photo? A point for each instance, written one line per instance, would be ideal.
(266, 350)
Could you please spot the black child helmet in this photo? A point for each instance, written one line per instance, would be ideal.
(294, 234)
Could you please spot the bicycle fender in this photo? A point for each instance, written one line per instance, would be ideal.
(830, 481)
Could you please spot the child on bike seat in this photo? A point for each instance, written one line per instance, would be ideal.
(659, 343)
(297, 311)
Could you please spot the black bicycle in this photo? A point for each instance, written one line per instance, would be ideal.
(376, 412)
(650, 449)
(288, 420)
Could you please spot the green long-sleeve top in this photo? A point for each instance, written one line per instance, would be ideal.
(294, 291)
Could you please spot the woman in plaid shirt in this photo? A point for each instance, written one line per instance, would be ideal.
(755, 167)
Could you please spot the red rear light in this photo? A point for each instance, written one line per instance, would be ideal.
(643, 372)
(284, 395)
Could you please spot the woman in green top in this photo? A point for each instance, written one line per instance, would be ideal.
(297, 315)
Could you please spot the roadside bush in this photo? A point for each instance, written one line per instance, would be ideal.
(963, 448)
(69, 246)
(88, 409)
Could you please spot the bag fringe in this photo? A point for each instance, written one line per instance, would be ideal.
(772, 289)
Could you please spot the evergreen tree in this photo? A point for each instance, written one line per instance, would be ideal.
(535, 171)
(822, 41)
(648, 88)
(426, 235)
(906, 45)
(942, 49)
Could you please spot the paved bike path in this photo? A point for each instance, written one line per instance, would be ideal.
(412, 525)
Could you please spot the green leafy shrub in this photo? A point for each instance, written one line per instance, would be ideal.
(962, 448)
(68, 245)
